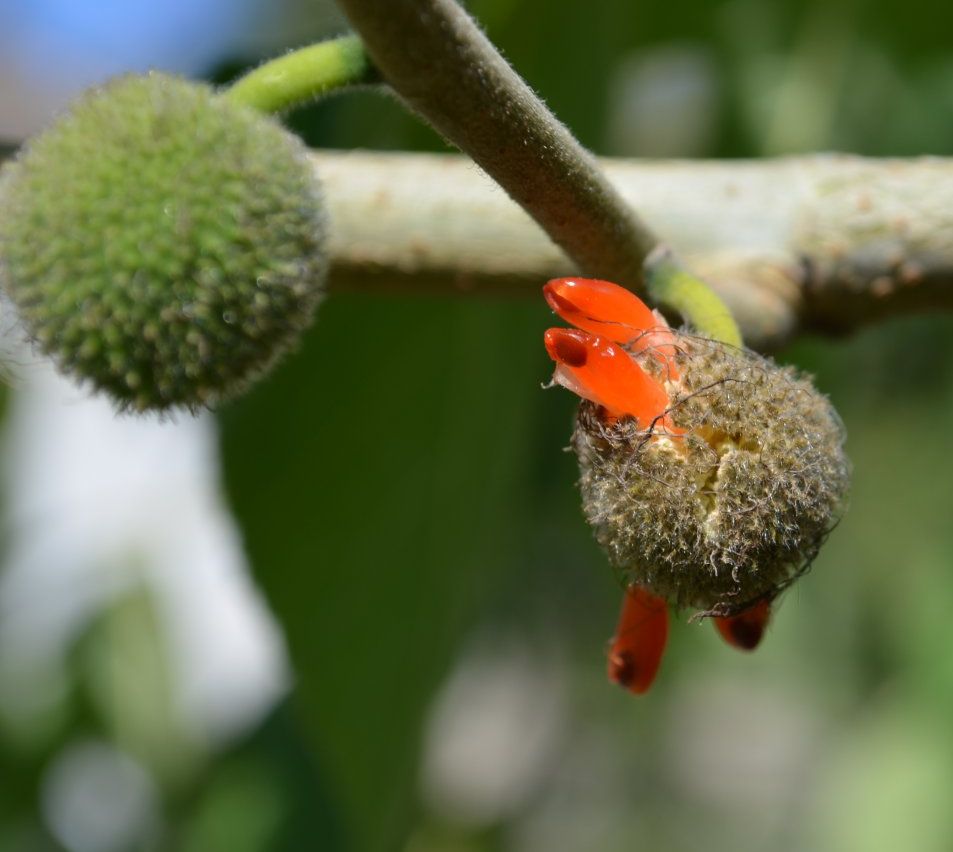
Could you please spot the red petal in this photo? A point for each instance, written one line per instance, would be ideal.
(745, 630)
(640, 640)
(600, 371)
(613, 313)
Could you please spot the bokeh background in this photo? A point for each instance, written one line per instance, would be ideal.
(359, 609)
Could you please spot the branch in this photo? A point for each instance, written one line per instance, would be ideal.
(436, 58)
(822, 243)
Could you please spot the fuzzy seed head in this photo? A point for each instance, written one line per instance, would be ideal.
(162, 243)
(735, 508)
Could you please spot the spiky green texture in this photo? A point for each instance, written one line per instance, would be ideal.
(736, 508)
(162, 243)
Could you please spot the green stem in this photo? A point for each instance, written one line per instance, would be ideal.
(671, 286)
(303, 75)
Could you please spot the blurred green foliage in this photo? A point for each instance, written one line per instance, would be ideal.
(400, 487)
(379, 508)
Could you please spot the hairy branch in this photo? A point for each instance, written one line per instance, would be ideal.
(820, 243)
(435, 57)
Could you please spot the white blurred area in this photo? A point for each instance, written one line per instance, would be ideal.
(86, 776)
(663, 102)
(50, 50)
(102, 504)
(494, 733)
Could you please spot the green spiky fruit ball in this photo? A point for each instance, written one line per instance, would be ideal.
(162, 243)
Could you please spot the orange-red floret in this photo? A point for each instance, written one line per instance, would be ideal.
(639, 643)
(746, 629)
(598, 370)
(612, 312)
